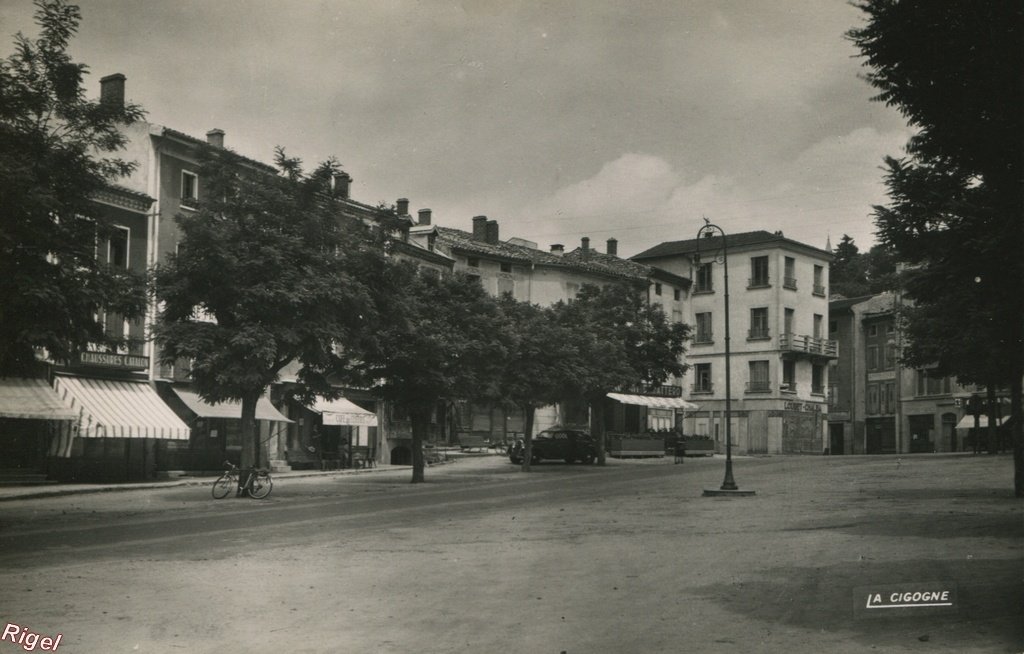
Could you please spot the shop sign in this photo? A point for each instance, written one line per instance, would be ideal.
(810, 407)
(654, 391)
(112, 360)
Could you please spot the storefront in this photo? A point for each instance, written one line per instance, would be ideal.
(119, 426)
(334, 434)
(645, 424)
(32, 415)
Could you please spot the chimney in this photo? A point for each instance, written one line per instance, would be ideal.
(613, 247)
(342, 183)
(492, 231)
(402, 206)
(585, 241)
(424, 216)
(215, 137)
(112, 89)
(480, 228)
(557, 249)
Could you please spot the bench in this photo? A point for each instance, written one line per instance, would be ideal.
(473, 442)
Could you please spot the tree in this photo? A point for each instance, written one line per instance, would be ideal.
(619, 341)
(266, 273)
(955, 218)
(438, 339)
(56, 152)
(847, 275)
(535, 374)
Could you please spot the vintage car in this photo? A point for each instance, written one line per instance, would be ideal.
(567, 445)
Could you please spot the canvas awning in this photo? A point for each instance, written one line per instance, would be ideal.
(654, 402)
(344, 412)
(120, 409)
(967, 422)
(32, 399)
(227, 409)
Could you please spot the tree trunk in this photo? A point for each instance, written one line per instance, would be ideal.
(419, 418)
(250, 439)
(597, 427)
(992, 410)
(1017, 429)
(528, 411)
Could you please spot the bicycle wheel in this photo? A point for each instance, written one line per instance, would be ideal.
(223, 486)
(260, 485)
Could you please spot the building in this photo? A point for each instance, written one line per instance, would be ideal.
(877, 406)
(529, 274)
(778, 312)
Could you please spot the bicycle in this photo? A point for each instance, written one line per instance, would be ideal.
(257, 486)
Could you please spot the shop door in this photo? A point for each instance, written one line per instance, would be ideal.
(835, 438)
(757, 432)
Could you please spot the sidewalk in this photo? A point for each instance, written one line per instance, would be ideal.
(8, 493)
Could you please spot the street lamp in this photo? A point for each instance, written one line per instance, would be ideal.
(709, 230)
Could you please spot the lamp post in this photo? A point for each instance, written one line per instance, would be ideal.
(709, 230)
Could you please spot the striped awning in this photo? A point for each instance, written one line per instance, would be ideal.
(344, 412)
(32, 399)
(227, 409)
(967, 422)
(654, 402)
(119, 409)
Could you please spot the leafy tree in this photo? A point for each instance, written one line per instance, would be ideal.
(619, 341)
(56, 152)
(266, 273)
(535, 374)
(955, 218)
(847, 276)
(438, 339)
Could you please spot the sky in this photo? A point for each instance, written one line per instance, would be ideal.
(559, 120)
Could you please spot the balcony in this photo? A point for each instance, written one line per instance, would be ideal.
(701, 389)
(788, 387)
(789, 282)
(809, 346)
(759, 387)
(758, 334)
(758, 282)
(819, 290)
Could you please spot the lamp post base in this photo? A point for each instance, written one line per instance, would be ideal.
(718, 492)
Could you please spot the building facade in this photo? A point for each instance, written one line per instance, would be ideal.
(779, 348)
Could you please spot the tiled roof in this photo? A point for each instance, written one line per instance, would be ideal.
(689, 246)
(593, 262)
(186, 137)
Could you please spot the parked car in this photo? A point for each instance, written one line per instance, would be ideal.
(568, 445)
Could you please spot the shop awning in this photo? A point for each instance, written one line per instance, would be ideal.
(343, 412)
(119, 409)
(654, 402)
(967, 422)
(228, 409)
(32, 399)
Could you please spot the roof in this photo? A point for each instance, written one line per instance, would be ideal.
(743, 239)
(590, 261)
(846, 303)
(182, 136)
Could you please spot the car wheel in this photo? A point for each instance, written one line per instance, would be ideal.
(588, 459)
(535, 458)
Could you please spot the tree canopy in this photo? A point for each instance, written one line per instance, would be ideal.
(956, 216)
(56, 153)
(620, 340)
(854, 273)
(438, 338)
(265, 274)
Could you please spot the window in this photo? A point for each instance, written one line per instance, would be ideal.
(789, 277)
(873, 330)
(789, 376)
(758, 272)
(759, 323)
(704, 333)
(872, 358)
(189, 188)
(819, 281)
(931, 384)
(657, 288)
(676, 294)
(818, 379)
(872, 403)
(473, 262)
(789, 316)
(819, 321)
(117, 248)
(833, 326)
(890, 357)
(506, 267)
(758, 377)
(704, 279)
(887, 398)
(702, 378)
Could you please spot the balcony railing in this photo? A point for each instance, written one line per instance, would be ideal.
(758, 334)
(758, 282)
(789, 282)
(703, 338)
(819, 289)
(759, 387)
(804, 344)
(698, 389)
(788, 387)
